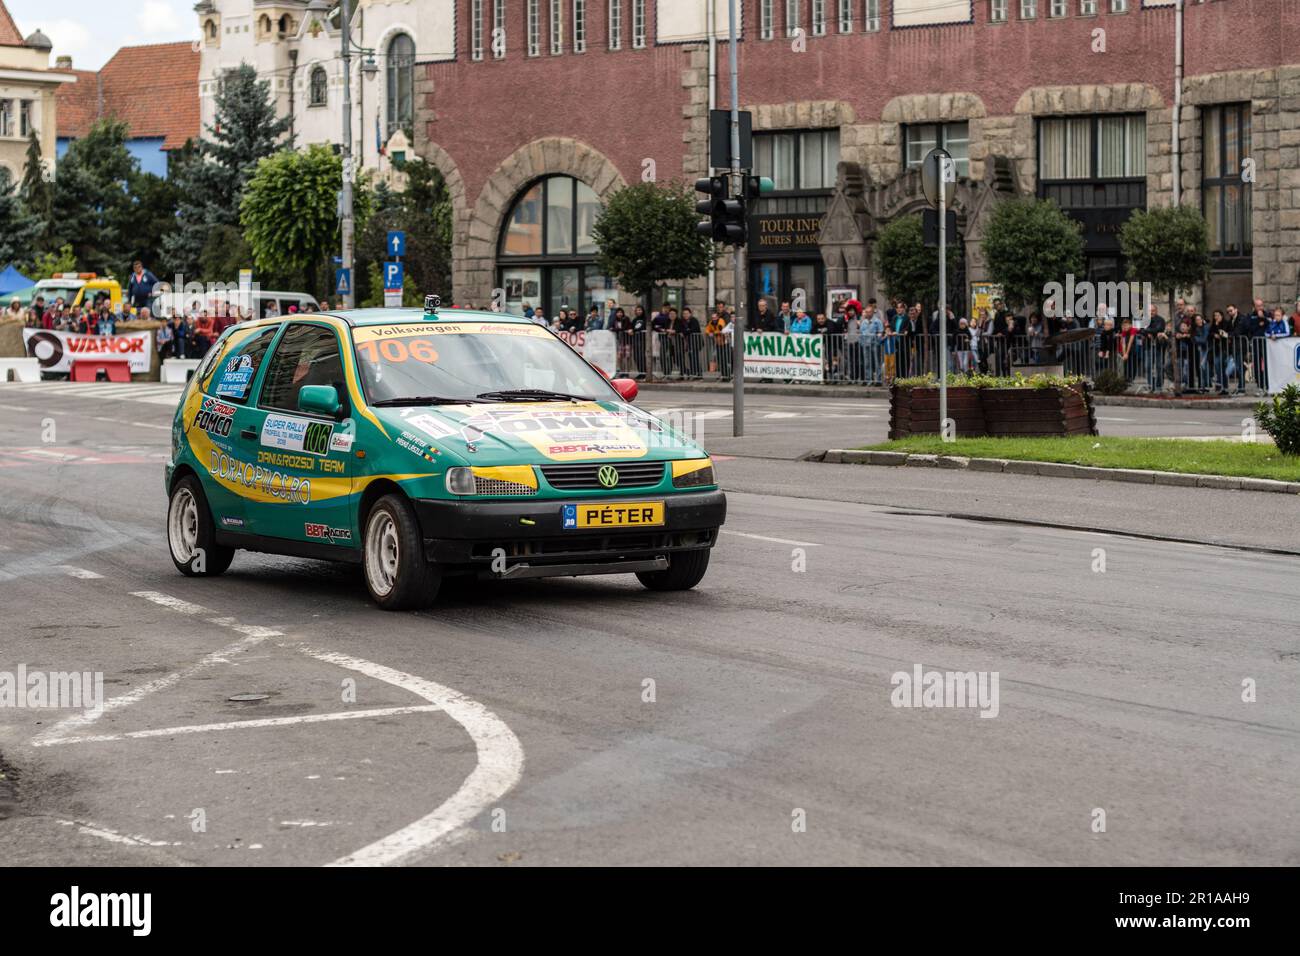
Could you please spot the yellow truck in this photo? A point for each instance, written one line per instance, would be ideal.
(80, 288)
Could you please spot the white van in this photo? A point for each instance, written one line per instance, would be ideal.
(258, 303)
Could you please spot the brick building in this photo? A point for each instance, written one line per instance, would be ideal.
(1065, 98)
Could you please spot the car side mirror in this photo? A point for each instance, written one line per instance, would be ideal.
(626, 387)
(319, 399)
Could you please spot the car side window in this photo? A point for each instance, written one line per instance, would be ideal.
(231, 375)
(306, 355)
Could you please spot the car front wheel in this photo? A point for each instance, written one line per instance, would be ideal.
(398, 576)
(191, 536)
(686, 570)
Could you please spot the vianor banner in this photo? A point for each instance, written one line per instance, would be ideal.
(797, 358)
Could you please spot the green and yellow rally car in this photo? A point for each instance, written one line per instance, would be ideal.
(426, 446)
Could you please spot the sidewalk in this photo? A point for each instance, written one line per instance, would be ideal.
(875, 392)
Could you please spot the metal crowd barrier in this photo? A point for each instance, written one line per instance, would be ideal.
(1234, 364)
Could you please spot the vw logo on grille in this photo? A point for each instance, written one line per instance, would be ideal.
(608, 476)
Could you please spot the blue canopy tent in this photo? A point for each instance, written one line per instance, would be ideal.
(11, 280)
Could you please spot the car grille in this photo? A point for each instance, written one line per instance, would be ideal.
(495, 486)
(631, 474)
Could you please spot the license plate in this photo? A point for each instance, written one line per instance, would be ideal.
(622, 514)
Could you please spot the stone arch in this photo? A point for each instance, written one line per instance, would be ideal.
(1105, 98)
(933, 108)
(808, 114)
(549, 156)
(438, 157)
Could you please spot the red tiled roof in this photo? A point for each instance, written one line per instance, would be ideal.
(9, 35)
(154, 89)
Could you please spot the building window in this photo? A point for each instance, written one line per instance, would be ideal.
(25, 127)
(638, 24)
(476, 29)
(1087, 8)
(1028, 9)
(616, 24)
(819, 18)
(557, 27)
(1225, 195)
(919, 139)
(1057, 8)
(6, 117)
(534, 28)
(498, 28)
(846, 16)
(997, 11)
(871, 16)
(1093, 147)
(766, 18)
(401, 84)
(546, 255)
(579, 26)
(1119, 6)
(319, 87)
(793, 16)
(798, 161)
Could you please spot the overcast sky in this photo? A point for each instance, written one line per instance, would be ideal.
(91, 31)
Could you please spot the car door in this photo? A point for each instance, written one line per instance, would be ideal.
(303, 459)
(221, 411)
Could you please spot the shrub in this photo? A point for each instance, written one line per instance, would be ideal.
(1109, 381)
(1281, 419)
(980, 380)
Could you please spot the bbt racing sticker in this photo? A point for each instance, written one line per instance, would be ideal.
(326, 533)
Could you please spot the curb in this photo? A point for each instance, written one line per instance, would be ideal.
(1052, 469)
(860, 391)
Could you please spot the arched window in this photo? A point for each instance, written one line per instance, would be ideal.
(285, 24)
(401, 85)
(211, 26)
(319, 87)
(547, 256)
(264, 25)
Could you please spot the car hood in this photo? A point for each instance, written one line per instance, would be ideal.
(512, 433)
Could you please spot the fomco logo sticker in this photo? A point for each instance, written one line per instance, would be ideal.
(215, 417)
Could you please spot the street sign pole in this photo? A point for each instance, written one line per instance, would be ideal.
(943, 296)
(346, 224)
(737, 188)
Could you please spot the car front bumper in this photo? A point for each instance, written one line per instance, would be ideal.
(527, 538)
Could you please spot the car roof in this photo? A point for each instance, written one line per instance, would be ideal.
(364, 317)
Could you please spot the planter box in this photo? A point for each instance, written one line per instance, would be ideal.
(995, 412)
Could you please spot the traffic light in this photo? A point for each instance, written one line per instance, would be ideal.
(726, 221)
(757, 187)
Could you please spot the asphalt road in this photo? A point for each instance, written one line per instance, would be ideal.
(514, 724)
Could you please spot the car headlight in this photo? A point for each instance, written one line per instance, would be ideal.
(460, 481)
(516, 481)
(693, 473)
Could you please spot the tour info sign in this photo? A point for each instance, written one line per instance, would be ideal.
(56, 351)
(797, 358)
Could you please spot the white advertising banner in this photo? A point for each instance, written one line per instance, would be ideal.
(1283, 363)
(56, 351)
(599, 347)
(797, 358)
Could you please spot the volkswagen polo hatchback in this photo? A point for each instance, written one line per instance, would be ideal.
(426, 447)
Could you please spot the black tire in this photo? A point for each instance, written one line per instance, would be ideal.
(191, 535)
(685, 570)
(398, 576)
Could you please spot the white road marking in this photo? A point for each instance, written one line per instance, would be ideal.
(68, 725)
(783, 415)
(248, 724)
(104, 833)
(500, 765)
(82, 573)
(763, 537)
(166, 600)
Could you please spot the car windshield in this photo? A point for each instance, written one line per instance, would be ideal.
(468, 359)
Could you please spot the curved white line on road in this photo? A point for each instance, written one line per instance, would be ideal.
(500, 765)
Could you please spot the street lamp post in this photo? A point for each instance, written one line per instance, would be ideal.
(345, 200)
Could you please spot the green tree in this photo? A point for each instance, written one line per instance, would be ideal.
(646, 235)
(290, 213)
(1029, 243)
(1168, 247)
(46, 265)
(91, 204)
(910, 270)
(18, 227)
(35, 188)
(246, 130)
(423, 211)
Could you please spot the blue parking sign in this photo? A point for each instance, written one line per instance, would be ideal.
(342, 281)
(394, 276)
(396, 243)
